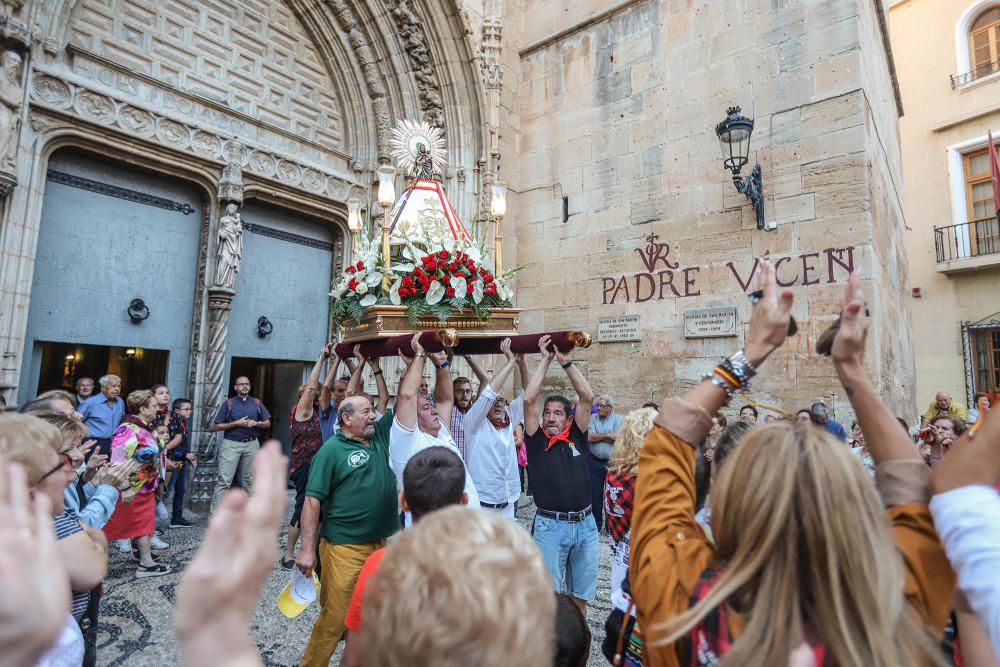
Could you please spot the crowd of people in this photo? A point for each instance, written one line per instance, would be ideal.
(780, 540)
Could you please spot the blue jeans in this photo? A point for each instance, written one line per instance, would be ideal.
(571, 551)
(178, 482)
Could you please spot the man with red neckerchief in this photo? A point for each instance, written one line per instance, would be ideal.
(564, 527)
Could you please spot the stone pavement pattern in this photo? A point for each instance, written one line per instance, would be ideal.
(136, 613)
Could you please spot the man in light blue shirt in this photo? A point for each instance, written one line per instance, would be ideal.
(102, 413)
(603, 430)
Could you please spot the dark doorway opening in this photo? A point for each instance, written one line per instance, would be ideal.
(63, 363)
(276, 383)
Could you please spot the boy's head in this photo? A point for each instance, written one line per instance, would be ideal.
(181, 407)
(572, 634)
(433, 478)
(163, 431)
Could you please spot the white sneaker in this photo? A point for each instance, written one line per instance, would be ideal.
(124, 546)
(157, 544)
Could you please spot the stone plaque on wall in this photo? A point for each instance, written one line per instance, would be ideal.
(618, 329)
(710, 322)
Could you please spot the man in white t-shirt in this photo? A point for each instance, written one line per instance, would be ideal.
(417, 423)
(490, 452)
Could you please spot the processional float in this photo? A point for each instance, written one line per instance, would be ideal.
(424, 272)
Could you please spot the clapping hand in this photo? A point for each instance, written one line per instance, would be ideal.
(849, 343)
(36, 596)
(770, 319)
(220, 588)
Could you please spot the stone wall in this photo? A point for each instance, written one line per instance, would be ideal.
(617, 155)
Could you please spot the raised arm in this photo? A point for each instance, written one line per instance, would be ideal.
(331, 376)
(444, 388)
(522, 370)
(501, 376)
(668, 549)
(885, 440)
(531, 420)
(478, 371)
(304, 408)
(584, 394)
(409, 387)
(354, 384)
(383, 388)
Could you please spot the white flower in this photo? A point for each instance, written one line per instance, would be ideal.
(460, 287)
(368, 300)
(435, 293)
(361, 288)
(477, 291)
(394, 292)
(372, 279)
(403, 268)
(474, 254)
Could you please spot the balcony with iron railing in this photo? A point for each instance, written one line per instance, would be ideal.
(979, 72)
(967, 246)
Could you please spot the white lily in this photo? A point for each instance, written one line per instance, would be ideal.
(477, 291)
(435, 293)
(372, 279)
(460, 287)
(394, 292)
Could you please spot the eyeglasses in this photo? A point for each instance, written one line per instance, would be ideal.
(64, 462)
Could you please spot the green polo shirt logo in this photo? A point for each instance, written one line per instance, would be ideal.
(357, 459)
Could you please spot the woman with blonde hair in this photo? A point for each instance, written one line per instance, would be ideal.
(619, 488)
(134, 517)
(808, 556)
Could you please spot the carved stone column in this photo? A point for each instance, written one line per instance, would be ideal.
(220, 299)
(219, 306)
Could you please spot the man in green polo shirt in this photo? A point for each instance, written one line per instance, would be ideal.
(351, 502)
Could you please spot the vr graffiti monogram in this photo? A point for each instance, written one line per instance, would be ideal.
(829, 265)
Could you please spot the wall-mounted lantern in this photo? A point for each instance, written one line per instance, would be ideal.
(734, 137)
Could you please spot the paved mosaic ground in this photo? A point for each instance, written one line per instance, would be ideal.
(136, 613)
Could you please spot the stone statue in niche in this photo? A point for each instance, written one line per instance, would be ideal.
(11, 98)
(230, 247)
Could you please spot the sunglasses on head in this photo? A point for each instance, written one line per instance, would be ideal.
(64, 462)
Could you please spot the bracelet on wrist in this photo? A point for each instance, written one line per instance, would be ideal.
(443, 364)
(567, 364)
(377, 372)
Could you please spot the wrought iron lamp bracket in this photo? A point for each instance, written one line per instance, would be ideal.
(753, 188)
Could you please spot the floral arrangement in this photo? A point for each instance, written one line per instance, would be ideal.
(433, 279)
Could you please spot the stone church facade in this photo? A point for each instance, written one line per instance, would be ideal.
(136, 127)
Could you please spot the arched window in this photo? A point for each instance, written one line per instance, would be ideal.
(984, 43)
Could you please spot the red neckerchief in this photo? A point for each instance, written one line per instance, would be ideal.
(560, 437)
(500, 424)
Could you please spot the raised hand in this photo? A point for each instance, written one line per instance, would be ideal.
(418, 349)
(358, 354)
(87, 446)
(505, 348)
(770, 318)
(563, 357)
(849, 343)
(220, 588)
(30, 571)
(543, 346)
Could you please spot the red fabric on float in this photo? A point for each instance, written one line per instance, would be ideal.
(389, 347)
(526, 343)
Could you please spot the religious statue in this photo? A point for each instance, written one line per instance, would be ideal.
(11, 98)
(230, 247)
(423, 163)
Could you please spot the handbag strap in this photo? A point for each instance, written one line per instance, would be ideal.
(618, 660)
